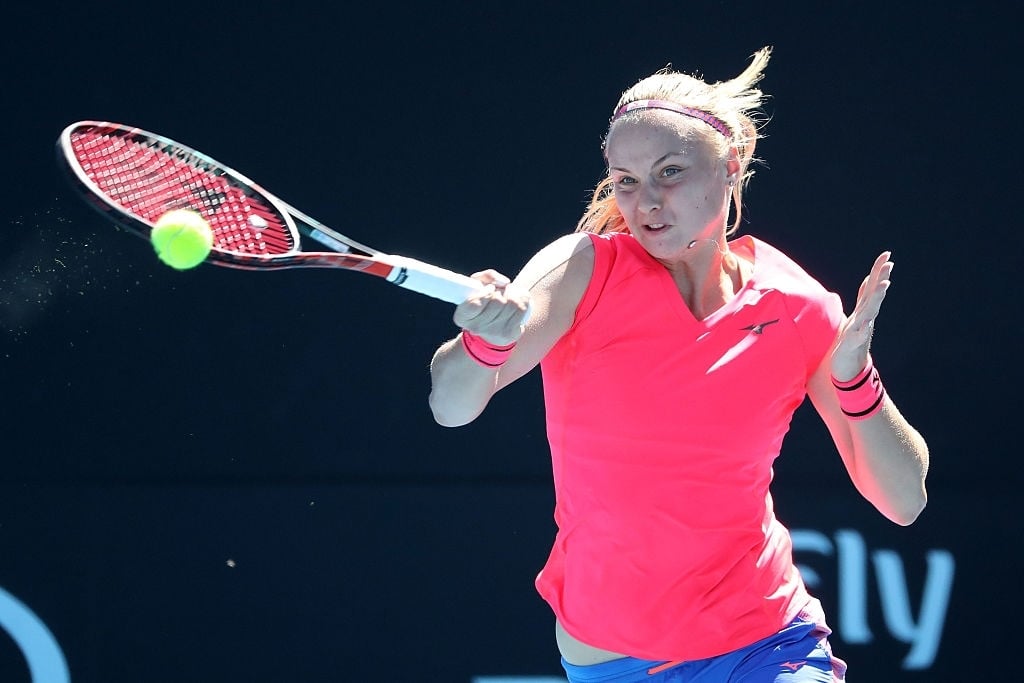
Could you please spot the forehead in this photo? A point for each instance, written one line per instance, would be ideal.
(657, 132)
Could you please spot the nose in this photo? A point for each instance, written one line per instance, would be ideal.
(650, 198)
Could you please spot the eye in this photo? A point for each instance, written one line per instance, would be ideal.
(670, 171)
(625, 181)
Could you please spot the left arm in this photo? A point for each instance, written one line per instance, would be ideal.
(887, 458)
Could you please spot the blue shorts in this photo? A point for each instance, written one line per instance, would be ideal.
(799, 653)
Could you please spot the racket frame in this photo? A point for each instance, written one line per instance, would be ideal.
(345, 252)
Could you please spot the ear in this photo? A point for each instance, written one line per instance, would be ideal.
(732, 165)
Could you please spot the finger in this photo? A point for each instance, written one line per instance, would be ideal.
(863, 288)
(878, 285)
(873, 286)
(475, 307)
(492, 312)
(886, 272)
(882, 266)
(491, 277)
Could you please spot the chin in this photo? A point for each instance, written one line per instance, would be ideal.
(663, 243)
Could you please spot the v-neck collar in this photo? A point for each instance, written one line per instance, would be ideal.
(744, 245)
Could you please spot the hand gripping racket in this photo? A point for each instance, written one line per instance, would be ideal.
(134, 177)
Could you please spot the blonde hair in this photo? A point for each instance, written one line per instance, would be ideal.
(736, 103)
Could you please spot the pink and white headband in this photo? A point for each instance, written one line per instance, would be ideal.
(704, 116)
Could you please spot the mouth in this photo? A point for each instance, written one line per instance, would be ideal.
(655, 227)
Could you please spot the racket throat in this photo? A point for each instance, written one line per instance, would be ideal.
(329, 241)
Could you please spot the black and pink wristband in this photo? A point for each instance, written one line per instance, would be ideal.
(862, 396)
(485, 353)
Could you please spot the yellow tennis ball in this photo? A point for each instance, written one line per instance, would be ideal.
(182, 238)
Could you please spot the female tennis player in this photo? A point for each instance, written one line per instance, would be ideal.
(673, 356)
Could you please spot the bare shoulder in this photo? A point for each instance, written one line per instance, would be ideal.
(557, 276)
(570, 256)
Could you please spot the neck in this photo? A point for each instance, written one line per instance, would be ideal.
(709, 277)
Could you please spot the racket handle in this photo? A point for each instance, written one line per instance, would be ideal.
(430, 280)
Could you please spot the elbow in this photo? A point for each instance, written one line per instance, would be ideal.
(444, 415)
(449, 421)
(910, 511)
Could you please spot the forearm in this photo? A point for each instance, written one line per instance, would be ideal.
(460, 387)
(890, 463)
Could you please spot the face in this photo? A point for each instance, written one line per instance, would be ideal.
(671, 183)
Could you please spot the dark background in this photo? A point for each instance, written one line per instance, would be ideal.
(219, 475)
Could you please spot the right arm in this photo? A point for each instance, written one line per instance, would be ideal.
(552, 284)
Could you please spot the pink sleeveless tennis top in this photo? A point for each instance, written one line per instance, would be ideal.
(663, 430)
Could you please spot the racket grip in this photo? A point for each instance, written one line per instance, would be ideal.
(430, 280)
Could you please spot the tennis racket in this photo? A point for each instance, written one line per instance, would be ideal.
(134, 177)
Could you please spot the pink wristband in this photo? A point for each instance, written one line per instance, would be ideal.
(485, 353)
(862, 396)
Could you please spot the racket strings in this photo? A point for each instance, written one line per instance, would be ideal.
(148, 178)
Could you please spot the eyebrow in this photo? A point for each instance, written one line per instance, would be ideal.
(656, 161)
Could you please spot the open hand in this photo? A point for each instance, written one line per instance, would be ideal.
(853, 342)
